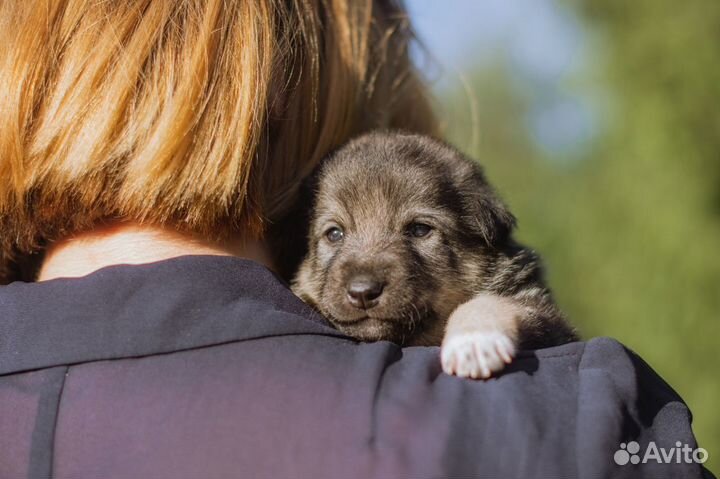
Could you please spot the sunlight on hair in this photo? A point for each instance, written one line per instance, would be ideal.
(199, 114)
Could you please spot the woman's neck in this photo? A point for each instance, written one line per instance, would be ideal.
(130, 243)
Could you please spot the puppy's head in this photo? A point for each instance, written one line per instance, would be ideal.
(400, 231)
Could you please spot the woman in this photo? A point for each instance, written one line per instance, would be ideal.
(146, 146)
(201, 116)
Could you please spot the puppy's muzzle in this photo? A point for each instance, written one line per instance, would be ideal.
(364, 291)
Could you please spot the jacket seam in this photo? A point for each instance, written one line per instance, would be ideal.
(55, 422)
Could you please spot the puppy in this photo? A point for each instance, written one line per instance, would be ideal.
(409, 243)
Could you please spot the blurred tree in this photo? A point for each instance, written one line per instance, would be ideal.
(631, 232)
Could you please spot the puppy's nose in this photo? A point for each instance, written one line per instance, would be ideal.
(363, 292)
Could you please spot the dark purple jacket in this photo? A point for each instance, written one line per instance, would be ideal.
(208, 367)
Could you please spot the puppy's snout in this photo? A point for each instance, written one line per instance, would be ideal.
(364, 291)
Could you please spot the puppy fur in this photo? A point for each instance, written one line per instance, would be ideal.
(415, 228)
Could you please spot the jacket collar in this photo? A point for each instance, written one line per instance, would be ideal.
(131, 311)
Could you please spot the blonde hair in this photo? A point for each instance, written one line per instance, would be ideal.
(200, 114)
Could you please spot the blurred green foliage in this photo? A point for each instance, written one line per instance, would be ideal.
(630, 231)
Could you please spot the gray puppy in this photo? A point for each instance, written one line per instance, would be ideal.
(408, 242)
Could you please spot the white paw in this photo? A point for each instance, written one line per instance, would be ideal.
(476, 355)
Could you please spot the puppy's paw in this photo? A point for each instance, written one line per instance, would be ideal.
(476, 354)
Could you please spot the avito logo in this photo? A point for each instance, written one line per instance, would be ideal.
(681, 453)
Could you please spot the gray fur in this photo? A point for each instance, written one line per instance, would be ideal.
(373, 188)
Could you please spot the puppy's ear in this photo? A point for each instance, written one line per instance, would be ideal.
(487, 214)
(288, 235)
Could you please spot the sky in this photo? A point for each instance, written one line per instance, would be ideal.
(543, 43)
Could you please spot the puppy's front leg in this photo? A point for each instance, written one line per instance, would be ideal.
(481, 336)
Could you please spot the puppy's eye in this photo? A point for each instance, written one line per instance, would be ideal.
(418, 230)
(334, 234)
